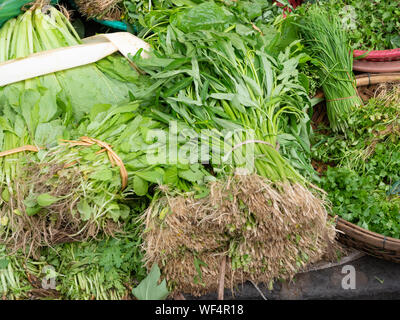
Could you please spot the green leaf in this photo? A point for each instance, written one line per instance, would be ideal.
(97, 109)
(45, 200)
(5, 195)
(151, 176)
(30, 201)
(191, 175)
(85, 210)
(140, 186)
(198, 264)
(171, 176)
(149, 289)
(206, 16)
(102, 175)
(32, 210)
(3, 264)
(114, 211)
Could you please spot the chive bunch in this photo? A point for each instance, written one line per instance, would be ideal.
(327, 43)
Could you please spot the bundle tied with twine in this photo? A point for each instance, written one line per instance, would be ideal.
(57, 223)
(44, 5)
(327, 43)
(265, 231)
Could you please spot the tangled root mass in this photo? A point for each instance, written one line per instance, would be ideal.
(266, 230)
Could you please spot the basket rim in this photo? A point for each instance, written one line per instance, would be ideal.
(366, 236)
(378, 55)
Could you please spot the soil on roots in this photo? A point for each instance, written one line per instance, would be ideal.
(57, 223)
(105, 9)
(266, 230)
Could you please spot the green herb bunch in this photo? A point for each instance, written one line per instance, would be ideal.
(370, 25)
(363, 168)
(327, 43)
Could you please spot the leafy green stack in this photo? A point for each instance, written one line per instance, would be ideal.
(34, 114)
(370, 25)
(225, 82)
(364, 165)
(327, 43)
(198, 138)
(71, 191)
(46, 200)
(47, 104)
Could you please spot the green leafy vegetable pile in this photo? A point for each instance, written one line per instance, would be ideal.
(220, 78)
(370, 25)
(222, 89)
(364, 167)
(140, 14)
(36, 113)
(39, 204)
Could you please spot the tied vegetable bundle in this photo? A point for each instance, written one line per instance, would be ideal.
(328, 45)
(266, 223)
(34, 115)
(74, 189)
(49, 103)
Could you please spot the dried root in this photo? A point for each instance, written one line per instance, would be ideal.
(57, 223)
(267, 230)
(105, 9)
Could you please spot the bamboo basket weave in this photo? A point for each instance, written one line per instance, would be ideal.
(368, 242)
(353, 236)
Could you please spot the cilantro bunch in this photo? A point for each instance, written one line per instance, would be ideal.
(363, 168)
(370, 25)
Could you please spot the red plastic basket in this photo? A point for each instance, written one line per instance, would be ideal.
(379, 55)
(293, 3)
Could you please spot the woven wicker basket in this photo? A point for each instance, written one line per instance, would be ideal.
(369, 242)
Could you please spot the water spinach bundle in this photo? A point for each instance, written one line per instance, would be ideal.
(259, 213)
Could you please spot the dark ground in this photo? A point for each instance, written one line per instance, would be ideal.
(375, 279)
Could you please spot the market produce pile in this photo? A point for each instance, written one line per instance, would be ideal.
(137, 12)
(363, 170)
(121, 172)
(370, 25)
